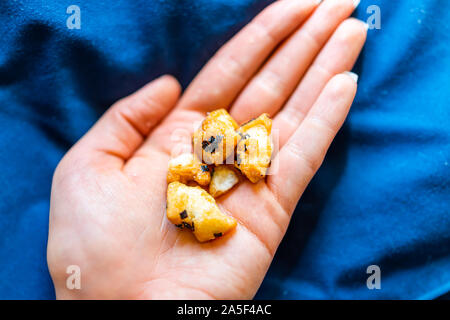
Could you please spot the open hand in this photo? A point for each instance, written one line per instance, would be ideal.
(108, 195)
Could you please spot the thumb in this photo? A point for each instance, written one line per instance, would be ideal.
(123, 128)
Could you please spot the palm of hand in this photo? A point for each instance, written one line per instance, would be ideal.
(108, 194)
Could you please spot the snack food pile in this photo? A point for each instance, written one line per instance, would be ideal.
(223, 153)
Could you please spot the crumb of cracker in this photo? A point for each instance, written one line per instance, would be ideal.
(216, 138)
(186, 167)
(223, 179)
(194, 209)
(254, 149)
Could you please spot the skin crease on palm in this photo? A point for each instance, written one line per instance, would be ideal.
(108, 194)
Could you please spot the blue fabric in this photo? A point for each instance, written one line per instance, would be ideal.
(382, 196)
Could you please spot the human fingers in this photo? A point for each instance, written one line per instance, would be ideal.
(300, 158)
(224, 76)
(274, 83)
(339, 55)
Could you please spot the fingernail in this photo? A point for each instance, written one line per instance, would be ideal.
(356, 3)
(352, 75)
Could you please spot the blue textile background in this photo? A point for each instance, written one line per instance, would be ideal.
(382, 196)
